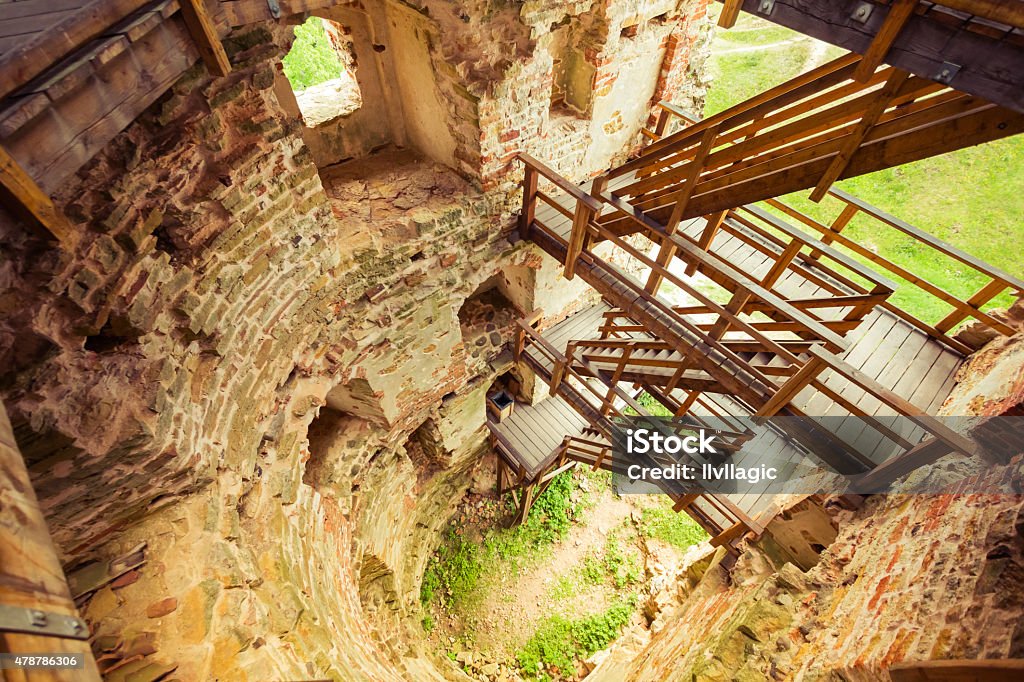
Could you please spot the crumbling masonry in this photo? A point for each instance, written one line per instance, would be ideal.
(252, 392)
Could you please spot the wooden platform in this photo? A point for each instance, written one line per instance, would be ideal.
(536, 431)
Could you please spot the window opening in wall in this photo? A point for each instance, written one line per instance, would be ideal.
(322, 71)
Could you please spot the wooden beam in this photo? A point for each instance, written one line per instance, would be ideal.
(855, 137)
(988, 67)
(203, 31)
(986, 670)
(23, 197)
(896, 18)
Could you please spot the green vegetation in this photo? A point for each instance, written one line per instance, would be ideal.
(662, 522)
(969, 198)
(312, 60)
(741, 75)
(455, 571)
(653, 407)
(559, 642)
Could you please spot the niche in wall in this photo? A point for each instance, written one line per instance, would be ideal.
(487, 321)
(572, 76)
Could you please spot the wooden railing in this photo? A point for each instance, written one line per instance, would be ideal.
(666, 112)
(808, 132)
(963, 308)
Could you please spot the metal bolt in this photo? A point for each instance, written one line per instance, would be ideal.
(76, 626)
(38, 618)
(766, 6)
(862, 12)
(944, 73)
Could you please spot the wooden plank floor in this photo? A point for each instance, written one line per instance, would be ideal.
(22, 20)
(536, 431)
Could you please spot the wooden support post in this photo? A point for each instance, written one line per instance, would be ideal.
(204, 33)
(529, 200)
(23, 197)
(662, 123)
(837, 225)
(856, 136)
(666, 252)
(714, 222)
(899, 13)
(730, 12)
(980, 298)
(734, 306)
(578, 237)
(789, 390)
(31, 576)
(781, 263)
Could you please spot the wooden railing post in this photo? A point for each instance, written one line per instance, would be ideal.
(578, 237)
(529, 199)
(980, 298)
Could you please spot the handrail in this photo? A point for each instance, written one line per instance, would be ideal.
(962, 309)
(569, 188)
(711, 260)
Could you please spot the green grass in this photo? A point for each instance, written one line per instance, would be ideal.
(970, 198)
(460, 565)
(559, 642)
(662, 522)
(740, 76)
(759, 35)
(312, 60)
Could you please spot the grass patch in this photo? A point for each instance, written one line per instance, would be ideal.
(312, 60)
(460, 566)
(740, 76)
(663, 523)
(559, 642)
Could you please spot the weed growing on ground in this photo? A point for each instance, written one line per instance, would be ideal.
(662, 522)
(452, 572)
(559, 642)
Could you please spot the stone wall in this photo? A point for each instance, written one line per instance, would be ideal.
(245, 399)
(908, 578)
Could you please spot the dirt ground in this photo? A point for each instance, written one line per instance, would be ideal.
(512, 601)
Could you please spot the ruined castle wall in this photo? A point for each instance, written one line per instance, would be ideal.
(217, 393)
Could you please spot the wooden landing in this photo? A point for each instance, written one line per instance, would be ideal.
(535, 432)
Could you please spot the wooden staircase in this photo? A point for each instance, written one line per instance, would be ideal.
(765, 350)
